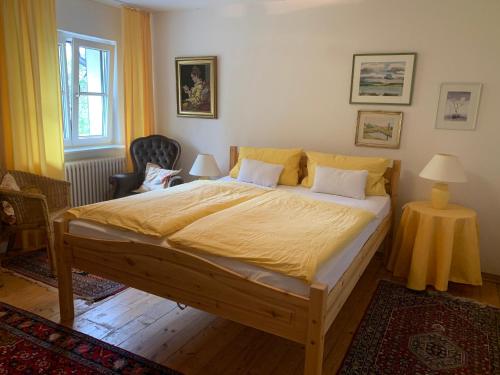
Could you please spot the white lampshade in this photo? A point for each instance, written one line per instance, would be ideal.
(205, 166)
(444, 168)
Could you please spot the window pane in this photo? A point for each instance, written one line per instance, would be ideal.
(96, 115)
(94, 70)
(69, 75)
(90, 116)
(83, 116)
(64, 97)
(69, 62)
(82, 62)
(93, 66)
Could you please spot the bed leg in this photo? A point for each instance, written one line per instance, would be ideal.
(316, 330)
(64, 275)
(389, 237)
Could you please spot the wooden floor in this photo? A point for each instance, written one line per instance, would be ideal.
(195, 342)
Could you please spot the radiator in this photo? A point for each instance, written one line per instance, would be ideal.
(90, 179)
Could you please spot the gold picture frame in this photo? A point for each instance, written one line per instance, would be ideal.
(379, 129)
(196, 83)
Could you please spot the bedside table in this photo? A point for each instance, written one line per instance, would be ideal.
(434, 246)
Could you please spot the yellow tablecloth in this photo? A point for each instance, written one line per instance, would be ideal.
(434, 246)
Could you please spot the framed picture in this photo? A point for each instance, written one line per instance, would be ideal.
(379, 129)
(382, 78)
(458, 106)
(196, 79)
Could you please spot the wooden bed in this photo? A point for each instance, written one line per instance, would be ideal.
(194, 281)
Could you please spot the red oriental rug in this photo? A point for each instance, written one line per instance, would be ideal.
(30, 344)
(408, 332)
(35, 265)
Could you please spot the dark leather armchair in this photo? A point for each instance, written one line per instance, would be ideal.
(155, 149)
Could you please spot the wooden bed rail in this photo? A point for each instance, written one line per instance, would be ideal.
(181, 277)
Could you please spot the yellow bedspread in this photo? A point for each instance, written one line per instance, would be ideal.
(163, 212)
(280, 231)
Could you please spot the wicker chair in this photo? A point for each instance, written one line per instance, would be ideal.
(34, 210)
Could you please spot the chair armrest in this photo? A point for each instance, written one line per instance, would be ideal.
(123, 184)
(9, 193)
(57, 192)
(176, 180)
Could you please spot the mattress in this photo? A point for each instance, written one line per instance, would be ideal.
(328, 273)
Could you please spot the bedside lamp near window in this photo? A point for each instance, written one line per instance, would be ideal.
(443, 168)
(205, 166)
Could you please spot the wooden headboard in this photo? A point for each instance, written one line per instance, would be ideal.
(391, 174)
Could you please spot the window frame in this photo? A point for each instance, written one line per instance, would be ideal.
(73, 95)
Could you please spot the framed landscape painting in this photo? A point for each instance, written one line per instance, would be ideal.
(196, 79)
(458, 106)
(379, 129)
(382, 78)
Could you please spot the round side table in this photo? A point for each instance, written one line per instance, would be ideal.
(434, 246)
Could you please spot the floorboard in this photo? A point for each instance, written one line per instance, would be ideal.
(195, 342)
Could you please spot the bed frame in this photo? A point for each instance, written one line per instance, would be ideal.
(194, 281)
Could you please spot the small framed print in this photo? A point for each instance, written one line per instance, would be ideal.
(458, 106)
(382, 78)
(379, 129)
(196, 79)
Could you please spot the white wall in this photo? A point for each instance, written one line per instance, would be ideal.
(89, 17)
(284, 81)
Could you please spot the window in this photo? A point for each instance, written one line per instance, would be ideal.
(86, 69)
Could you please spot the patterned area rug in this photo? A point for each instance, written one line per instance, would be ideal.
(30, 344)
(406, 332)
(35, 265)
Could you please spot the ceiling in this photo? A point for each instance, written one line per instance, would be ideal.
(164, 5)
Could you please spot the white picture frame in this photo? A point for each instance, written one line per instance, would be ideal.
(458, 106)
(382, 78)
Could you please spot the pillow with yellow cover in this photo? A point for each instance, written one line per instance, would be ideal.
(289, 158)
(375, 184)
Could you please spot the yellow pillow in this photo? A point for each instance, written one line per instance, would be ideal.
(375, 184)
(289, 158)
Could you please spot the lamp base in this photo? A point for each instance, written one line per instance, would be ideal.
(440, 196)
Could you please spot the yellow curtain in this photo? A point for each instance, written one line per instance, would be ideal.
(29, 87)
(138, 80)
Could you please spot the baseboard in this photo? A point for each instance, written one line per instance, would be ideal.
(491, 277)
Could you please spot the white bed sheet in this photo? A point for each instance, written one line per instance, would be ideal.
(329, 273)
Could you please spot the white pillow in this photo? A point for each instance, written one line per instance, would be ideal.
(156, 178)
(260, 173)
(343, 182)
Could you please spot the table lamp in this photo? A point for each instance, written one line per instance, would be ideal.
(443, 168)
(205, 166)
